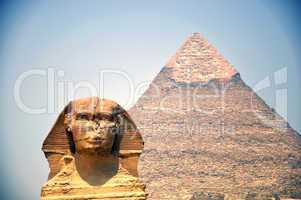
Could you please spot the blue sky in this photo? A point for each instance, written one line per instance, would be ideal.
(80, 38)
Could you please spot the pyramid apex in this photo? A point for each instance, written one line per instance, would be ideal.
(198, 61)
(197, 33)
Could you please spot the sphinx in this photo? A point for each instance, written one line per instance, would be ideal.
(93, 151)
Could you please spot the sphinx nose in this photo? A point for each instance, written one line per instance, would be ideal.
(98, 126)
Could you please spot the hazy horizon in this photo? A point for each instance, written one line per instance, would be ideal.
(77, 40)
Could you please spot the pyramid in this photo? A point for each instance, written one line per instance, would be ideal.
(210, 136)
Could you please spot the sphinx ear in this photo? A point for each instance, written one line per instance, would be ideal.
(115, 147)
(69, 129)
(119, 120)
(71, 142)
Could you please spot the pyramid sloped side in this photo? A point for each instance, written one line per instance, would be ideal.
(218, 137)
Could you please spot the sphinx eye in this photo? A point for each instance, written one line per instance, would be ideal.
(82, 116)
(104, 117)
(108, 117)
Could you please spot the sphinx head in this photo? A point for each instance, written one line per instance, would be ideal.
(94, 126)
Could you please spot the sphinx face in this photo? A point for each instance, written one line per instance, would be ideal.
(93, 131)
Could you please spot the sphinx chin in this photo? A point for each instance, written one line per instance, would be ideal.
(91, 149)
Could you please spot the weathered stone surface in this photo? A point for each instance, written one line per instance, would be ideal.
(206, 131)
(198, 61)
(93, 151)
(210, 196)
